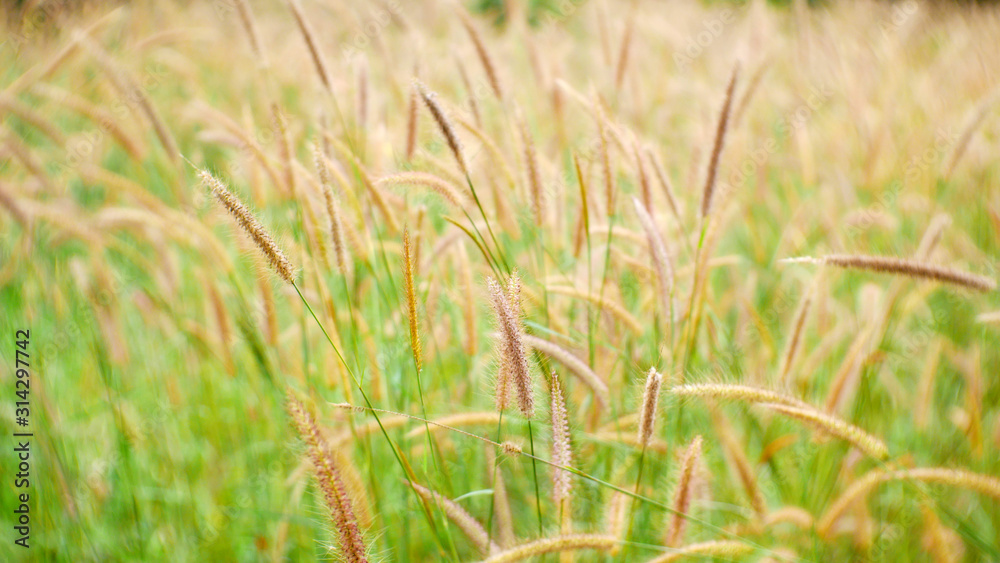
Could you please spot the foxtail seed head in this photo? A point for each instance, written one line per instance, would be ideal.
(512, 356)
(650, 398)
(253, 227)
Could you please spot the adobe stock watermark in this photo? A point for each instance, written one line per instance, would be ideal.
(696, 44)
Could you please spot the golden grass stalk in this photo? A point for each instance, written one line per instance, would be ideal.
(314, 237)
(624, 50)
(583, 226)
(609, 178)
(834, 426)
(650, 399)
(284, 149)
(501, 503)
(331, 483)
(15, 146)
(465, 522)
(575, 365)
(970, 128)
(28, 114)
(253, 227)
(470, 92)
(444, 124)
(531, 172)
(721, 549)
(362, 103)
(744, 470)
(683, 493)
(717, 145)
(845, 381)
(984, 484)
(943, 545)
(616, 518)
(411, 300)
(9, 202)
(562, 455)
(640, 169)
(932, 236)
(559, 114)
(482, 53)
(735, 392)
(511, 354)
(799, 517)
(271, 329)
(221, 323)
(557, 544)
(439, 185)
(662, 262)
(412, 121)
(314, 51)
(249, 24)
(792, 348)
(332, 211)
(751, 88)
(605, 303)
(900, 266)
(711, 233)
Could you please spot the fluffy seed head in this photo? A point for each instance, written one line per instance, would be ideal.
(411, 300)
(682, 496)
(512, 356)
(910, 268)
(511, 449)
(465, 522)
(328, 475)
(249, 223)
(650, 398)
(720, 139)
(561, 453)
(483, 54)
(864, 441)
(444, 124)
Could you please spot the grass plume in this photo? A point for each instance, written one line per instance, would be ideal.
(903, 267)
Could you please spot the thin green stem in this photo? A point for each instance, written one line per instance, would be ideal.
(392, 445)
(631, 513)
(534, 470)
(496, 467)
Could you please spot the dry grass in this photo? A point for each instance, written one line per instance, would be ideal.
(481, 299)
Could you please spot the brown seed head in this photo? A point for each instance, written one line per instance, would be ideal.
(444, 124)
(249, 223)
(511, 350)
(650, 398)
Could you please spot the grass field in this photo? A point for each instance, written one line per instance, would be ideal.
(561, 280)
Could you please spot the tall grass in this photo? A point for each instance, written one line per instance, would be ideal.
(417, 299)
